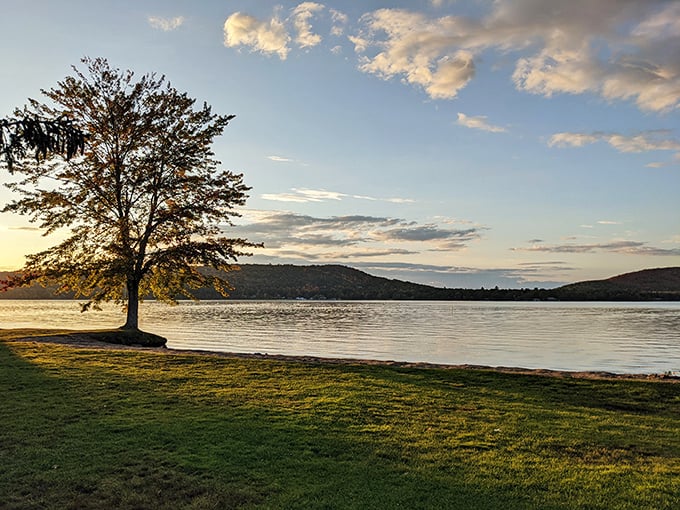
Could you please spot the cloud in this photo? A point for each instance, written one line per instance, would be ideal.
(302, 195)
(166, 24)
(273, 36)
(609, 222)
(419, 50)
(526, 275)
(429, 233)
(620, 50)
(478, 123)
(340, 20)
(604, 48)
(646, 141)
(301, 20)
(392, 200)
(26, 229)
(280, 159)
(623, 247)
(268, 37)
(377, 235)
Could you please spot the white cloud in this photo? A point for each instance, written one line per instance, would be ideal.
(478, 122)
(273, 36)
(286, 197)
(620, 50)
(340, 20)
(421, 51)
(301, 20)
(397, 200)
(165, 24)
(641, 142)
(572, 140)
(268, 37)
(302, 195)
(616, 49)
(280, 159)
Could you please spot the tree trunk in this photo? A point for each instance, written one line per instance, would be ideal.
(132, 322)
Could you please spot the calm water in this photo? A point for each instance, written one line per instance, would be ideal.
(615, 337)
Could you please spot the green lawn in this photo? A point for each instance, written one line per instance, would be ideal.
(91, 428)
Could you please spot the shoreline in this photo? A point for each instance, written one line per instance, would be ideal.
(85, 340)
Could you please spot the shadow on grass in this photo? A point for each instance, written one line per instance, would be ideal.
(111, 441)
(93, 429)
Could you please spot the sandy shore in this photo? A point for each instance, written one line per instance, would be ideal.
(82, 340)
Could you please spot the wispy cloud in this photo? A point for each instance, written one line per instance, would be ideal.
(524, 275)
(340, 20)
(280, 159)
(166, 24)
(623, 247)
(647, 141)
(478, 122)
(26, 228)
(302, 195)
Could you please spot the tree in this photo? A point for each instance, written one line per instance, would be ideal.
(144, 203)
(42, 135)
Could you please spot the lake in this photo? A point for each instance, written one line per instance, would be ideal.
(613, 337)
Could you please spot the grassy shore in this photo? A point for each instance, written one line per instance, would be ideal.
(84, 427)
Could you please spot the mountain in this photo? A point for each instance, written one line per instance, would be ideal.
(660, 283)
(266, 281)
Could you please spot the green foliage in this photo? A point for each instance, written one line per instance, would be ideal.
(143, 204)
(85, 428)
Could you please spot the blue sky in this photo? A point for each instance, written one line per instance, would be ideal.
(458, 143)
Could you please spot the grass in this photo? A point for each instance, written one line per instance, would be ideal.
(91, 428)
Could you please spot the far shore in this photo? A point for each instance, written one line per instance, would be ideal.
(88, 339)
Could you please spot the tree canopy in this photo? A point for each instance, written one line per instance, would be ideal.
(145, 204)
(44, 136)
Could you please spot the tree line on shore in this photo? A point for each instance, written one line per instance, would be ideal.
(266, 281)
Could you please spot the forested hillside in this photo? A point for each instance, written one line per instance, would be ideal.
(262, 281)
(660, 283)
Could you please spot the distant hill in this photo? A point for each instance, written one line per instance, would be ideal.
(266, 281)
(660, 283)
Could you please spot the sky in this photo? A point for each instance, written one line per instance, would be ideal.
(517, 143)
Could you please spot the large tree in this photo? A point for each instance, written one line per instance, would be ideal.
(144, 205)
